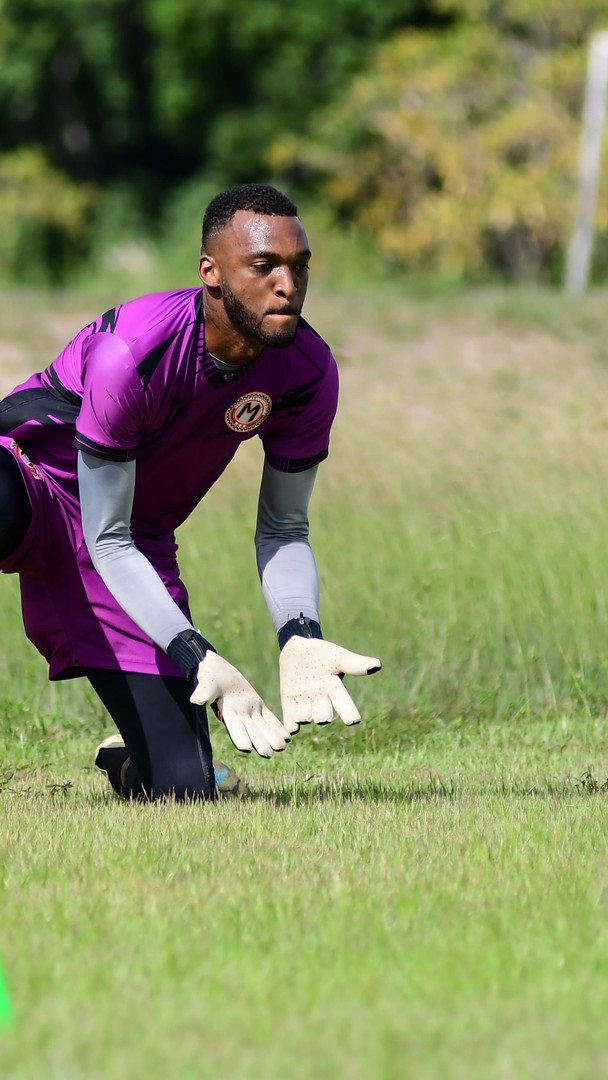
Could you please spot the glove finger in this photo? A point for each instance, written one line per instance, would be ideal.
(354, 664)
(275, 731)
(296, 711)
(322, 711)
(343, 703)
(237, 730)
(254, 725)
(290, 723)
(303, 709)
(289, 712)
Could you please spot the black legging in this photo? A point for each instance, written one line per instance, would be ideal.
(15, 509)
(167, 738)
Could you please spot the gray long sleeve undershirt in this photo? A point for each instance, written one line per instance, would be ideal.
(286, 564)
(285, 561)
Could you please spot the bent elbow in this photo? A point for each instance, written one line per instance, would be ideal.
(108, 546)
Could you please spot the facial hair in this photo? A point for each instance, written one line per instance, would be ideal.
(249, 323)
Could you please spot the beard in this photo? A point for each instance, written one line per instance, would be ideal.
(249, 323)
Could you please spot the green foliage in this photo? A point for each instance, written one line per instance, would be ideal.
(457, 149)
(146, 94)
(69, 80)
(45, 216)
(246, 71)
(545, 22)
(153, 90)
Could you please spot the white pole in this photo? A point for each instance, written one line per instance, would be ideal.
(594, 116)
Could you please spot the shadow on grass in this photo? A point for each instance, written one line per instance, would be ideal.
(432, 790)
(310, 790)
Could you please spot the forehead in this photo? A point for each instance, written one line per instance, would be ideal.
(249, 233)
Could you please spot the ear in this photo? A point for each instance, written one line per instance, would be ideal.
(209, 272)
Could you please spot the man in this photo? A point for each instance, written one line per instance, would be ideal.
(108, 451)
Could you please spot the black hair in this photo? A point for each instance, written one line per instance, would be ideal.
(261, 198)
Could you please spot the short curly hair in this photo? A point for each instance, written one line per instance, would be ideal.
(261, 198)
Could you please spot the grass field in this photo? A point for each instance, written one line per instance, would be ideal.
(422, 896)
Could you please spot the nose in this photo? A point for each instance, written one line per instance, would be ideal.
(284, 282)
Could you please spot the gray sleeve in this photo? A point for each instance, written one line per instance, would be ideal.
(286, 564)
(106, 498)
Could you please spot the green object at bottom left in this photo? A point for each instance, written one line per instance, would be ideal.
(6, 1013)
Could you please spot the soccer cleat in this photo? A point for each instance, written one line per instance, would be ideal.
(111, 755)
(227, 782)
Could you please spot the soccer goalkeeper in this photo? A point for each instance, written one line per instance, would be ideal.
(106, 452)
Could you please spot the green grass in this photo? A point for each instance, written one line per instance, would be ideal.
(422, 896)
(378, 923)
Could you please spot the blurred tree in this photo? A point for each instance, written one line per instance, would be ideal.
(229, 78)
(545, 23)
(457, 148)
(74, 79)
(138, 96)
(44, 216)
(153, 90)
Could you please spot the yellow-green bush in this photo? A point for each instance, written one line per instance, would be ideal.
(545, 22)
(457, 150)
(44, 216)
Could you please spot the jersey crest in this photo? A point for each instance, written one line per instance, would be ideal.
(249, 411)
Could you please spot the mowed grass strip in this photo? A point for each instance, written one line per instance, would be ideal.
(423, 895)
(337, 927)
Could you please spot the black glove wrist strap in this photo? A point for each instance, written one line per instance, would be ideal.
(187, 650)
(301, 627)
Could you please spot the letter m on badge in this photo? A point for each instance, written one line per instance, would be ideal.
(248, 412)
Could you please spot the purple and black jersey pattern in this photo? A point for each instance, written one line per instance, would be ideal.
(139, 384)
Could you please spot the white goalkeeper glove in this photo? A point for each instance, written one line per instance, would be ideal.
(249, 722)
(311, 687)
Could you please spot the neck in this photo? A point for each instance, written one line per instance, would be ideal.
(221, 365)
(223, 340)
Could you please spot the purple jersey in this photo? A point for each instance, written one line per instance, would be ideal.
(138, 384)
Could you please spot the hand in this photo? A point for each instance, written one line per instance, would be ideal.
(311, 687)
(248, 721)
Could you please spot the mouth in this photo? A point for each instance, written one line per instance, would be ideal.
(287, 313)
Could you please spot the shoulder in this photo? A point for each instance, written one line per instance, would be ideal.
(305, 405)
(151, 318)
(308, 374)
(309, 365)
(311, 349)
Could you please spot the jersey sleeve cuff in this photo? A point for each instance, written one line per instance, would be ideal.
(293, 465)
(109, 453)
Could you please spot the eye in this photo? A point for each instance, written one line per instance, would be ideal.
(262, 267)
